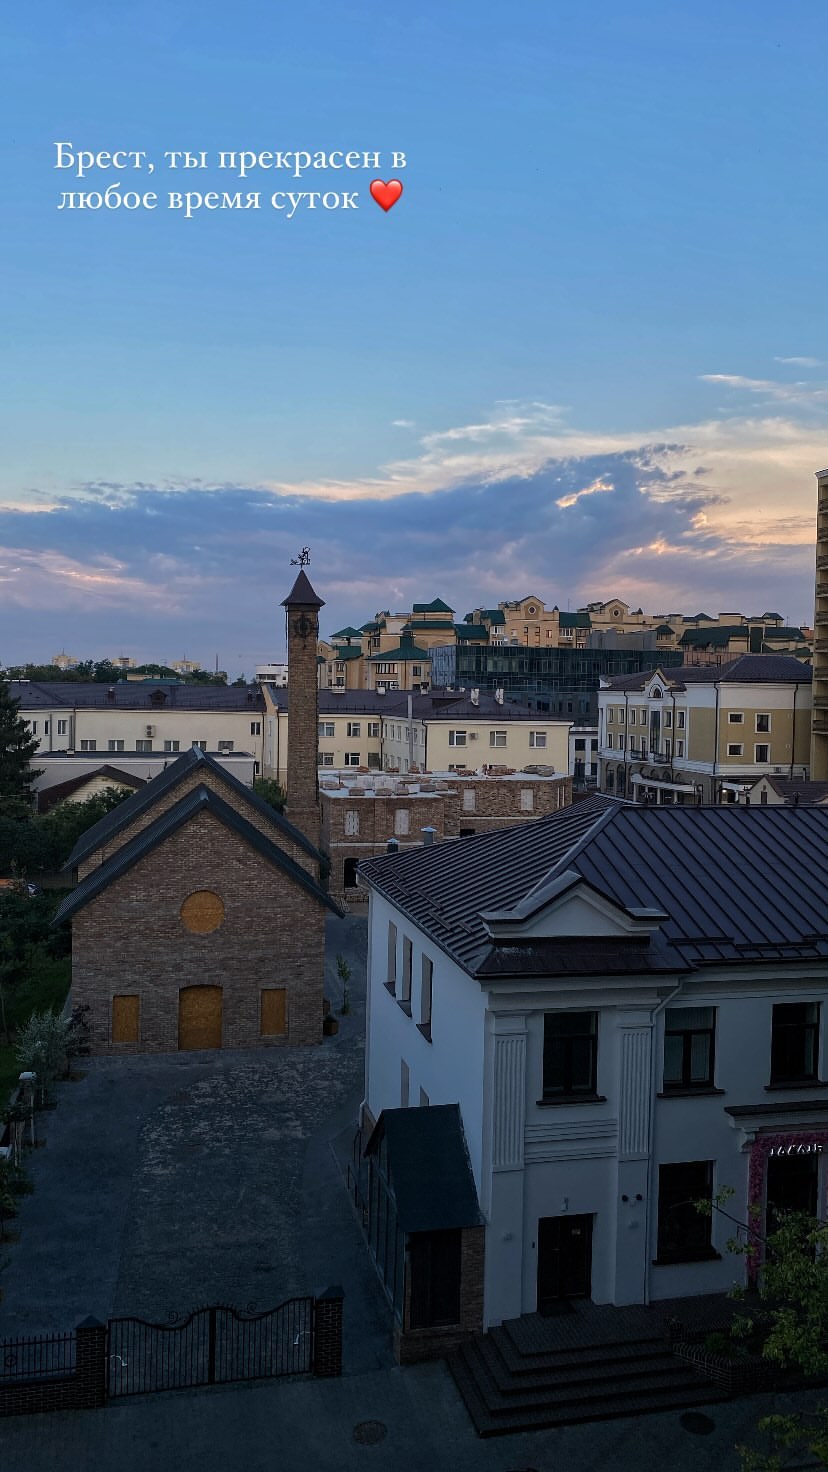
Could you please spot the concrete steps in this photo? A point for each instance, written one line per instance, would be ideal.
(506, 1389)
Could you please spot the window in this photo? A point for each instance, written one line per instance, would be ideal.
(391, 969)
(405, 1083)
(762, 724)
(680, 719)
(273, 1015)
(172, 745)
(621, 740)
(93, 746)
(373, 728)
(735, 748)
(611, 715)
(325, 759)
(202, 744)
(668, 748)
(469, 799)
(407, 961)
(794, 1042)
(570, 1054)
(326, 728)
(374, 761)
(33, 725)
(580, 746)
(457, 738)
(125, 1018)
(351, 823)
(255, 729)
(527, 800)
(735, 717)
(401, 823)
(633, 716)
(684, 1232)
(115, 745)
(538, 738)
(679, 747)
(416, 669)
(354, 728)
(667, 718)
(352, 758)
(61, 730)
(761, 753)
(426, 982)
(497, 738)
(225, 746)
(609, 740)
(689, 1034)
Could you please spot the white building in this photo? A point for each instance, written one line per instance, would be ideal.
(627, 1004)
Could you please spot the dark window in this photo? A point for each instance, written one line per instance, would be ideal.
(684, 1232)
(435, 1278)
(570, 1050)
(349, 873)
(794, 1042)
(688, 1047)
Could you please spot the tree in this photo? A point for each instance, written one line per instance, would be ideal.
(17, 748)
(790, 1320)
(270, 792)
(41, 1048)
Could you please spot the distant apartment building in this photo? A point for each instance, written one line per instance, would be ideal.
(701, 733)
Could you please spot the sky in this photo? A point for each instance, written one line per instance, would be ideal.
(583, 356)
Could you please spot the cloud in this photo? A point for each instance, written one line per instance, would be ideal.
(789, 393)
(716, 513)
(802, 362)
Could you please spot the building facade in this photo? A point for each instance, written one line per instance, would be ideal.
(622, 1037)
(702, 733)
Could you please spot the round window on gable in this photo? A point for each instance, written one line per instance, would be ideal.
(532, 609)
(202, 912)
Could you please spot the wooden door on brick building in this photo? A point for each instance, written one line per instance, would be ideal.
(199, 1017)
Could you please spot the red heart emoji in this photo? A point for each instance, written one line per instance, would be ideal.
(386, 195)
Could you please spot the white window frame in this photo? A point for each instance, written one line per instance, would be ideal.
(762, 761)
(352, 759)
(735, 748)
(498, 739)
(457, 738)
(537, 739)
(762, 715)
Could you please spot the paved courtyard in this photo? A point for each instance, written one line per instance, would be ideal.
(173, 1181)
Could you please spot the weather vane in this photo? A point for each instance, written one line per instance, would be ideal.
(302, 560)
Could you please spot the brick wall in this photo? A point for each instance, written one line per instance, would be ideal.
(130, 939)
(302, 805)
(497, 802)
(84, 1389)
(414, 1345)
(200, 776)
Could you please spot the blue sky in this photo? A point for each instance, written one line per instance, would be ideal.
(606, 270)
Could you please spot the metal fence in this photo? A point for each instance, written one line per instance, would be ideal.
(212, 1346)
(38, 1357)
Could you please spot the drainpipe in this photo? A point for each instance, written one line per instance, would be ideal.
(410, 714)
(793, 730)
(716, 792)
(648, 1189)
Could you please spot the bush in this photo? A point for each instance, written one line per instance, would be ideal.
(41, 1048)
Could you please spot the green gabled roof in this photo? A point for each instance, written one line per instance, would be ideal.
(574, 621)
(494, 615)
(471, 631)
(784, 633)
(717, 636)
(438, 606)
(405, 650)
(346, 651)
(701, 615)
(370, 627)
(427, 623)
(348, 633)
(665, 629)
(769, 614)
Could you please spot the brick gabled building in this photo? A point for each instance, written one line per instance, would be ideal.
(198, 920)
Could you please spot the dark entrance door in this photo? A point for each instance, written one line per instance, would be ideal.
(564, 1260)
(792, 1186)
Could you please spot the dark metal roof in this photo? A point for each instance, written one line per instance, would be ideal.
(302, 594)
(406, 649)
(445, 887)
(737, 884)
(106, 828)
(795, 792)
(200, 799)
(744, 669)
(136, 695)
(429, 1167)
(48, 797)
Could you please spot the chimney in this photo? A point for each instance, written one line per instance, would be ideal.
(475, 697)
(392, 846)
(428, 836)
(499, 696)
(302, 617)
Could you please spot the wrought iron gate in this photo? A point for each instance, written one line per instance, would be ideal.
(212, 1346)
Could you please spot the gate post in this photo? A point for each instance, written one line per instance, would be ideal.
(327, 1332)
(90, 1364)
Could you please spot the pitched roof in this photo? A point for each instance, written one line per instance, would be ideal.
(574, 621)
(405, 650)
(120, 817)
(716, 638)
(347, 633)
(344, 652)
(302, 594)
(736, 884)
(437, 606)
(471, 631)
(743, 669)
(429, 1167)
(49, 797)
(444, 887)
(798, 791)
(136, 695)
(199, 799)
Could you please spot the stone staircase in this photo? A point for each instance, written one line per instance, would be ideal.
(532, 1373)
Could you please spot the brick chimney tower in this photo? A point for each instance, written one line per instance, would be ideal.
(302, 613)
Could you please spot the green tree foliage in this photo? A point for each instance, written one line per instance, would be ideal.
(270, 792)
(41, 1047)
(17, 748)
(33, 954)
(41, 845)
